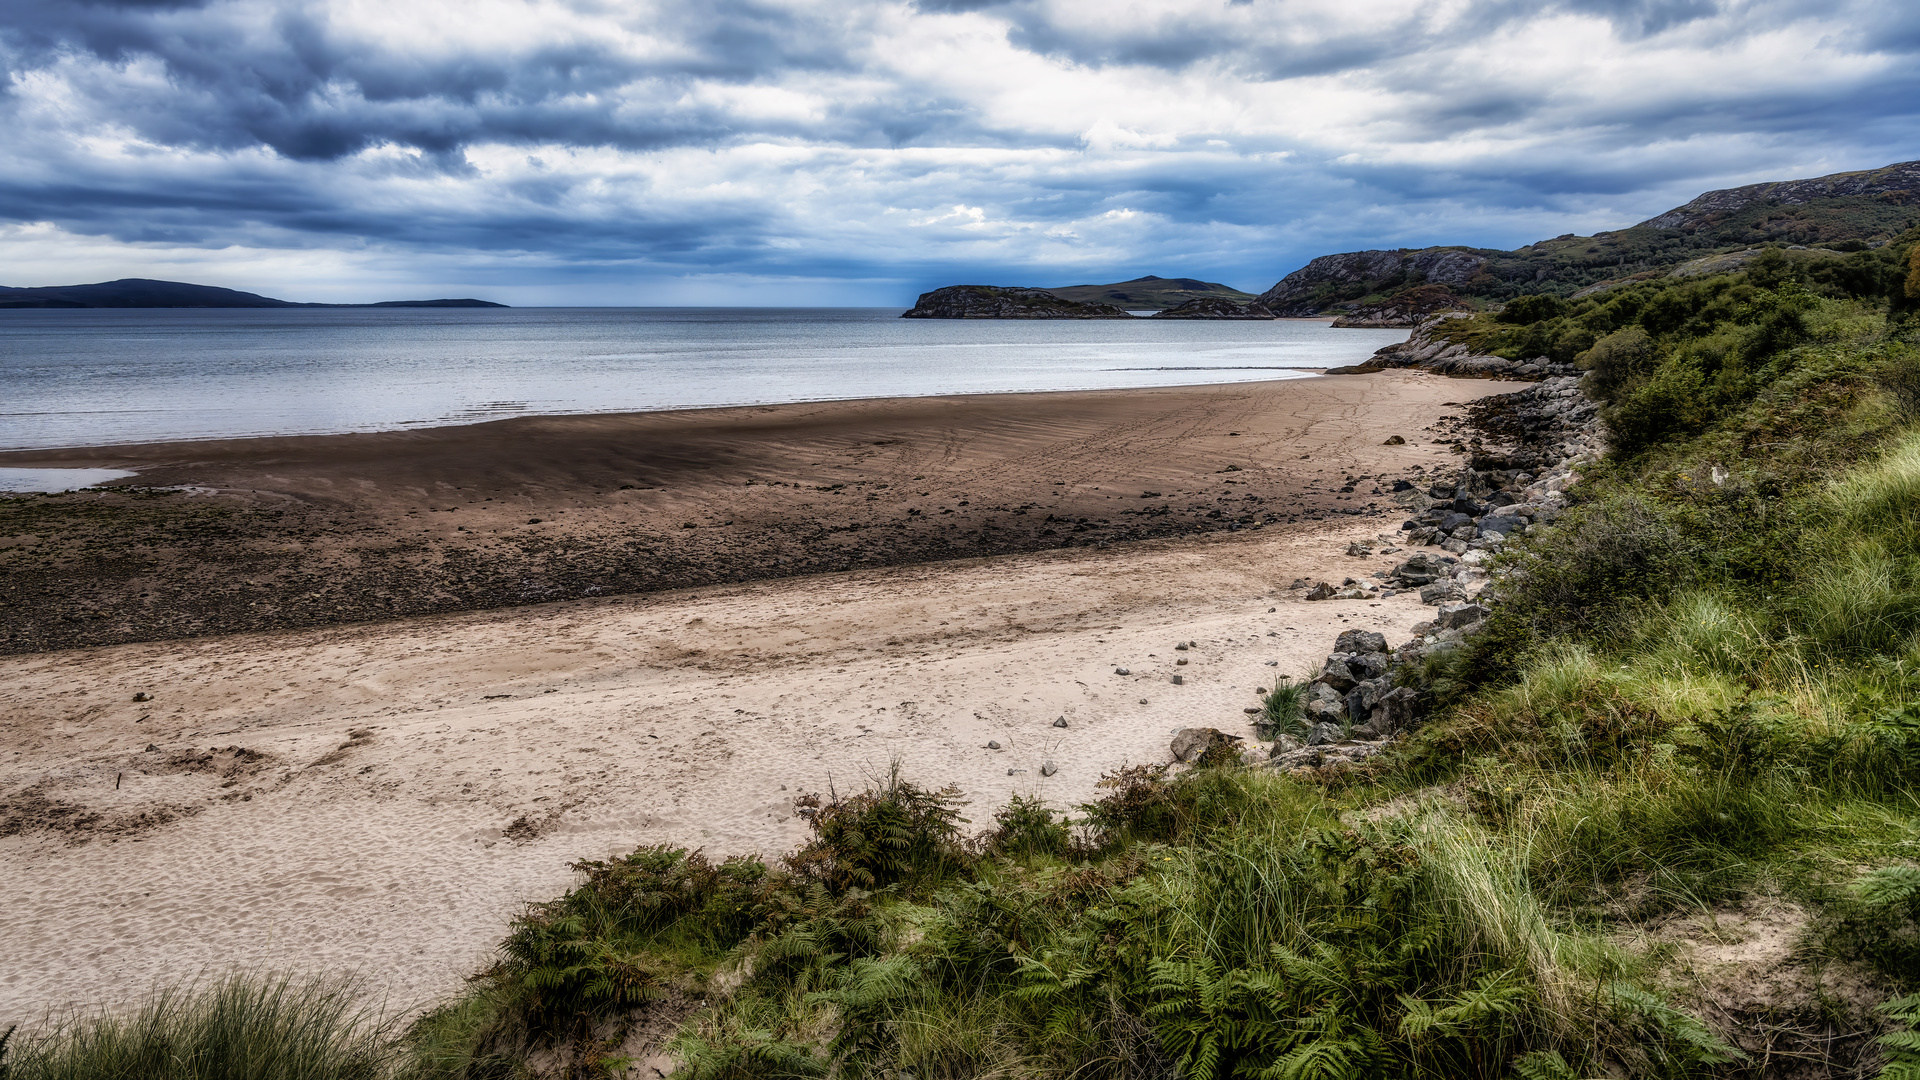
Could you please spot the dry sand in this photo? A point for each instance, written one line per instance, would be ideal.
(381, 797)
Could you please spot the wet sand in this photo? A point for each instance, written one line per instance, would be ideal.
(381, 796)
(322, 530)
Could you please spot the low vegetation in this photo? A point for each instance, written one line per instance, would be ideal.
(1699, 697)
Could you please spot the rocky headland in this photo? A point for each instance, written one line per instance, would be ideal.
(1004, 302)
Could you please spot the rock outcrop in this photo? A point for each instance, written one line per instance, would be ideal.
(1407, 308)
(1003, 302)
(1429, 349)
(1214, 307)
(1334, 279)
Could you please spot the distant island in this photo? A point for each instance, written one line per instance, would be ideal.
(148, 293)
(1177, 298)
(1817, 219)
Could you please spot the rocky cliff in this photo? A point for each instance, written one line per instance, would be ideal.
(1002, 302)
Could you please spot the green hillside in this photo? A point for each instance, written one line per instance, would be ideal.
(1844, 212)
(1149, 293)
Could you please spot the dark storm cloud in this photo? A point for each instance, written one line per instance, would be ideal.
(756, 136)
(311, 90)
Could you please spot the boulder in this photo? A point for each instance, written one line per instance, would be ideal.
(1336, 674)
(1364, 695)
(1442, 591)
(1323, 734)
(1459, 616)
(1324, 703)
(1422, 569)
(1321, 591)
(1360, 641)
(1191, 744)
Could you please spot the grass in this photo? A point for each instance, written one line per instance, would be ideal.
(236, 1028)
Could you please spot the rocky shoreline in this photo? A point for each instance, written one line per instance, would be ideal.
(1428, 350)
(1366, 693)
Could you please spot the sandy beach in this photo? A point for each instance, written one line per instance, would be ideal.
(381, 794)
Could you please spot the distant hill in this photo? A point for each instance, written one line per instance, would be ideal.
(148, 293)
(1842, 212)
(1150, 293)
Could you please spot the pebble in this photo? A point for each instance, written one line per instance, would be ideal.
(1182, 660)
(1049, 769)
(143, 696)
(1179, 680)
(1062, 722)
(992, 744)
(1122, 671)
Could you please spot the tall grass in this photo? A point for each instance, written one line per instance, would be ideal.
(237, 1028)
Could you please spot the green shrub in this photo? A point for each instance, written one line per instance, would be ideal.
(894, 833)
(1025, 828)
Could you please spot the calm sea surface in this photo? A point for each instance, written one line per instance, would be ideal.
(89, 377)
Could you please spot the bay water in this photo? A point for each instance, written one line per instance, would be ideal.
(89, 377)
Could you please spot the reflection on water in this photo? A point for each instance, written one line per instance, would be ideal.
(57, 479)
(88, 377)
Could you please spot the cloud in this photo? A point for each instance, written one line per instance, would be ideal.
(791, 143)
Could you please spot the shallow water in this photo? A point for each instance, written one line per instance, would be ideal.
(57, 479)
(91, 377)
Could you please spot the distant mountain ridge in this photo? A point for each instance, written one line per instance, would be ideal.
(1150, 293)
(1841, 212)
(150, 293)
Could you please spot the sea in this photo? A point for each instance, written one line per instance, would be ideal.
(91, 377)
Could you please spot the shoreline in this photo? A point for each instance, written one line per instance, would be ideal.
(296, 531)
(14, 457)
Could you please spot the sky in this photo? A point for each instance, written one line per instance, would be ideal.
(854, 152)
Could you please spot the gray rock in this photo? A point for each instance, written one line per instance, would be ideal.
(1180, 646)
(1457, 547)
(1419, 570)
(1442, 591)
(1336, 674)
(1457, 616)
(1359, 550)
(1122, 671)
(1189, 743)
(1321, 591)
(1179, 680)
(1360, 641)
(1368, 665)
(1048, 768)
(1062, 722)
(1285, 744)
(993, 744)
(1323, 734)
